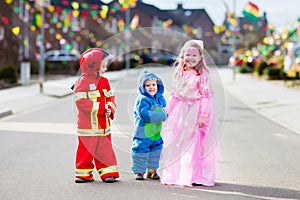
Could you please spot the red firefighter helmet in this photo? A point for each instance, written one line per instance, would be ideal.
(90, 60)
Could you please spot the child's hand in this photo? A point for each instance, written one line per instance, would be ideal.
(164, 110)
(107, 112)
(166, 114)
(202, 121)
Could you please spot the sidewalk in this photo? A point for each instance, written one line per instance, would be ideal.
(270, 98)
(273, 100)
(22, 98)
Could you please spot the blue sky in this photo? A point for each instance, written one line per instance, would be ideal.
(281, 13)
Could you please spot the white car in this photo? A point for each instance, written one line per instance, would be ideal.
(62, 55)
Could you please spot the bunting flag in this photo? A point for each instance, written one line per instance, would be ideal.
(84, 14)
(231, 18)
(251, 11)
(219, 29)
(16, 30)
(67, 18)
(167, 24)
(134, 22)
(271, 27)
(75, 5)
(37, 20)
(187, 29)
(103, 12)
(113, 9)
(127, 3)
(5, 20)
(121, 25)
(8, 1)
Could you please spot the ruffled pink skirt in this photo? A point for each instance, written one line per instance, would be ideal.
(190, 152)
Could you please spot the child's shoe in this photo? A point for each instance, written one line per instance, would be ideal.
(152, 174)
(139, 176)
(109, 179)
(82, 180)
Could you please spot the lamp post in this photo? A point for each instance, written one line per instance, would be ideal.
(42, 54)
(42, 4)
(127, 38)
(127, 4)
(234, 40)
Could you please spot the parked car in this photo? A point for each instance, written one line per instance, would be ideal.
(62, 61)
(62, 55)
(164, 58)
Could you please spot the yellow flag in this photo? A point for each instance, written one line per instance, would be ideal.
(16, 30)
(103, 12)
(8, 1)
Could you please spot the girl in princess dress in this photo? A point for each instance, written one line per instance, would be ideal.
(190, 149)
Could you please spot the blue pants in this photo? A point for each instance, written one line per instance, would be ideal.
(145, 154)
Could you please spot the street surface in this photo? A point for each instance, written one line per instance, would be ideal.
(259, 158)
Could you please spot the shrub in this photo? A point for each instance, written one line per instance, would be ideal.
(273, 73)
(244, 69)
(9, 73)
(259, 67)
(34, 67)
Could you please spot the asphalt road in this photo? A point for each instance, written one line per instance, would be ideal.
(259, 159)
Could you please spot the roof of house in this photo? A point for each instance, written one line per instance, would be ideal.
(161, 14)
(189, 15)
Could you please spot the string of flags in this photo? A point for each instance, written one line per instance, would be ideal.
(64, 17)
(68, 17)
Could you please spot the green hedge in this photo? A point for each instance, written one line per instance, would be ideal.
(244, 69)
(273, 73)
(9, 73)
(259, 67)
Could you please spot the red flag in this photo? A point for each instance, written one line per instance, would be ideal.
(251, 11)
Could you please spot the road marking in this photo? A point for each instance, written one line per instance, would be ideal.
(242, 194)
(52, 128)
(39, 127)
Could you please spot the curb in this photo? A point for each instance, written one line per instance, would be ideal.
(5, 113)
(59, 88)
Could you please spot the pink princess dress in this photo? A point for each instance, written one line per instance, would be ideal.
(189, 152)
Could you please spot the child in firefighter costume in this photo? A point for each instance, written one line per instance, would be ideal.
(148, 118)
(95, 105)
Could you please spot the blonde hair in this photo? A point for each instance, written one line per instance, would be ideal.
(179, 63)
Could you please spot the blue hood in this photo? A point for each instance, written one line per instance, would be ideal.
(146, 75)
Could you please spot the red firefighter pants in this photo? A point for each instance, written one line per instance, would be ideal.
(95, 151)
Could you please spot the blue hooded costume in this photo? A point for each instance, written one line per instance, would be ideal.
(148, 118)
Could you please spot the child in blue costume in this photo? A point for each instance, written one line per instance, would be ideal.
(148, 117)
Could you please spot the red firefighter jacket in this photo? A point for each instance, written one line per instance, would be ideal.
(92, 96)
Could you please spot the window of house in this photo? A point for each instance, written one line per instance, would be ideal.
(1, 33)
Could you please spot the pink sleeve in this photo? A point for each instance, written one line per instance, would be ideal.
(206, 98)
(171, 104)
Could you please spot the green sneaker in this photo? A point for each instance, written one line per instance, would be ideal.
(152, 174)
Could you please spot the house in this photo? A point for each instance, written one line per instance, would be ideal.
(247, 35)
(183, 24)
(18, 46)
(78, 25)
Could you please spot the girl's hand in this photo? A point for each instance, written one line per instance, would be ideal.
(202, 121)
(201, 124)
(107, 112)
